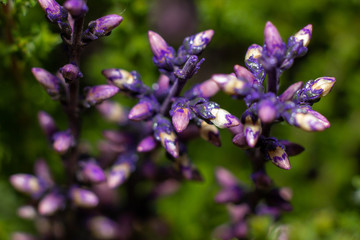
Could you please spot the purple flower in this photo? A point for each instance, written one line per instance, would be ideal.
(49, 82)
(98, 94)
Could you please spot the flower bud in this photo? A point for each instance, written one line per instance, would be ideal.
(22, 236)
(304, 35)
(274, 45)
(229, 195)
(143, 110)
(244, 74)
(323, 83)
(198, 42)
(254, 52)
(121, 170)
(49, 82)
(240, 140)
(42, 171)
(27, 184)
(27, 212)
(308, 120)
(63, 141)
(210, 133)
(252, 130)
(180, 118)
(104, 25)
(47, 124)
(92, 172)
(290, 92)
(71, 72)
(276, 153)
(53, 10)
(159, 47)
(223, 119)
(83, 198)
(103, 228)
(147, 144)
(225, 178)
(51, 203)
(113, 112)
(170, 143)
(230, 84)
(76, 7)
(267, 111)
(118, 77)
(97, 94)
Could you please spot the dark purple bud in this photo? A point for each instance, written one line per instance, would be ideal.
(147, 144)
(273, 42)
(290, 92)
(76, 7)
(49, 82)
(180, 118)
(27, 184)
(47, 124)
(210, 133)
(143, 110)
(98, 94)
(252, 130)
(51, 203)
(91, 172)
(27, 212)
(304, 35)
(267, 111)
(83, 198)
(292, 149)
(230, 84)
(63, 141)
(261, 179)
(22, 236)
(71, 72)
(113, 112)
(103, 228)
(104, 25)
(42, 171)
(225, 178)
(244, 74)
(323, 83)
(53, 10)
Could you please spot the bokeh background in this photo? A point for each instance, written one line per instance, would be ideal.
(325, 179)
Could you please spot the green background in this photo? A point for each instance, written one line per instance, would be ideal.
(325, 179)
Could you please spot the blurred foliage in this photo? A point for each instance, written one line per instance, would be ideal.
(324, 179)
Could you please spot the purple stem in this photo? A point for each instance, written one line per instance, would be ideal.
(174, 92)
(71, 108)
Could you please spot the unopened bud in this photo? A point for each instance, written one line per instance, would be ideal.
(323, 83)
(49, 82)
(304, 35)
(273, 42)
(223, 119)
(98, 94)
(83, 198)
(51, 203)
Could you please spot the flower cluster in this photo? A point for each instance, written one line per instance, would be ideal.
(163, 116)
(266, 107)
(163, 101)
